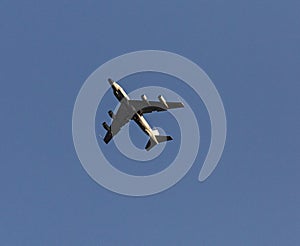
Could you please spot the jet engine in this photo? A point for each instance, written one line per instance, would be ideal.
(163, 101)
(106, 127)
(111, 114)
(144, 98)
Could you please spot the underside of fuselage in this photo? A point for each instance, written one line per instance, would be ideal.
(130, 112)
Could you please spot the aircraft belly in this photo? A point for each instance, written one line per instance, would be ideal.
(142, 123)
(134, 110)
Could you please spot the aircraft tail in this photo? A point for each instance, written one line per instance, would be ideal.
(151, 143)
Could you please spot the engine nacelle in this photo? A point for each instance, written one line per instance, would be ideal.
(111, 114)
(106, 127)
(163, 101)
(144, 98)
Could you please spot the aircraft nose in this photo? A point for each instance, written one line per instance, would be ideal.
(110, 81)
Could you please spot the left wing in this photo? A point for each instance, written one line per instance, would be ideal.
(144, 106)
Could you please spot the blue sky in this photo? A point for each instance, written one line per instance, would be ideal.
(250, 50)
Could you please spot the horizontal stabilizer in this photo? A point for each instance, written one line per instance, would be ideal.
(163, 138)
(151, 143)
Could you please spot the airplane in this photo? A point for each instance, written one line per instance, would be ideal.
(134, 110)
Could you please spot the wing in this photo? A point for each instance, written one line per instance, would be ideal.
(119, 120)
(145, 106)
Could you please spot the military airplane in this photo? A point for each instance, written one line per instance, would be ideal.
(134, 110)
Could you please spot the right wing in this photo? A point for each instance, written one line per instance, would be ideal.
(119, 120)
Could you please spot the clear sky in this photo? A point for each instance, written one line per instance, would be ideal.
(250, 50)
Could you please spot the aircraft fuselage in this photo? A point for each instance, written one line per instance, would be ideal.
(123, 98)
